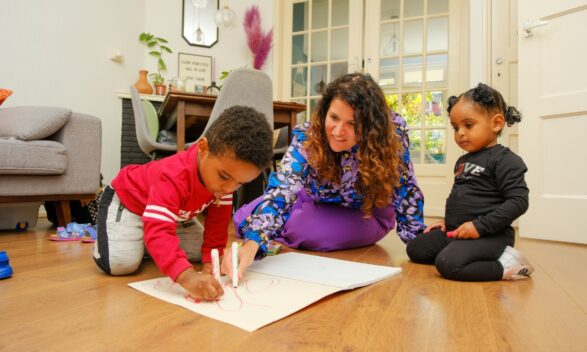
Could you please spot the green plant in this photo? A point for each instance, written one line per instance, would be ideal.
(157, 44)
(222, 77)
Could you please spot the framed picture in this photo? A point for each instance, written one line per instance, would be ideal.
(196, 70)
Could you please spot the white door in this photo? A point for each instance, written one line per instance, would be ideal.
(504, 60)
(413, 48)
(553, 99)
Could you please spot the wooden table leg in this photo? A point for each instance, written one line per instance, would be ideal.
(292, 124)
(180, 126)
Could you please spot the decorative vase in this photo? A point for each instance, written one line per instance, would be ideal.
(142, 85)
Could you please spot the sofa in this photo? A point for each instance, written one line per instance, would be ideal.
(48, 154)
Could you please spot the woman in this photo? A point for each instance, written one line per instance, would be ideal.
(343, 183)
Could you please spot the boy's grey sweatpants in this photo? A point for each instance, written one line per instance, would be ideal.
(119, 248)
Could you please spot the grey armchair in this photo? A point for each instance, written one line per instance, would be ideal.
(48, 154)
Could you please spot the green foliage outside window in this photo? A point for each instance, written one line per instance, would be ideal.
(411, 110)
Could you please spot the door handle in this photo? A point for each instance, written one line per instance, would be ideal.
(529, 26)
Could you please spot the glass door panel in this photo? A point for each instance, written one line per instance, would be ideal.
(434, 107)
(317, 81)
(322, 33)
(319, 14)
(300, 17)
(390, 42)
(339, 45)
(413, 37)
(413, 65)
(299, 52)
(340, 13)
(413, 8)
(319, 50)
(437, 6)
(437, 34)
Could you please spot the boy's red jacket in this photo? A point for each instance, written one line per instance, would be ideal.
(164, 192)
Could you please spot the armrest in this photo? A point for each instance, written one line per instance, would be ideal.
(82, 138)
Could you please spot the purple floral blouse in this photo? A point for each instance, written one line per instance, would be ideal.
(295, 173)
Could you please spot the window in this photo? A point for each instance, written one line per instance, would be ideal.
(413, 71)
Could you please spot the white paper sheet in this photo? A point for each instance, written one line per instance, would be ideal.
(343, 274)
(259, 299)
(272, 288)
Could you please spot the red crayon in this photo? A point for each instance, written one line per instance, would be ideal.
(450, 233)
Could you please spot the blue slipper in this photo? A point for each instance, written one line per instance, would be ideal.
(5, 269)
(64, 235)
(89, 234)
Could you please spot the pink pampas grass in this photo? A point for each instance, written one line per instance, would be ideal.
(259, 42)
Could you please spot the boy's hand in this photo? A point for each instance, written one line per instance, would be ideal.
(246, 256)
(439, 224)
(200, 285)
(207, 268)
(466, 230)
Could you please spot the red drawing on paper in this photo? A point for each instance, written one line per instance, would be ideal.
(232, 300)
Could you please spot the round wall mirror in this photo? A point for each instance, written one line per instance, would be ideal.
(198, 26)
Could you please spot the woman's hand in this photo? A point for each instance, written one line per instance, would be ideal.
(200, 285)
(439, 224)
(246, 256)
(466, 230)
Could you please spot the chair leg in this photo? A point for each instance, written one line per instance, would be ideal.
(63, 212)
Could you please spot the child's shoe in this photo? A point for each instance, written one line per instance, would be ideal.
(5, 269)
(75, 228)
(515, 265)
(64, 235)
(89, 234)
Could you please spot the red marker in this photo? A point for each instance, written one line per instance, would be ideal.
(450, 234)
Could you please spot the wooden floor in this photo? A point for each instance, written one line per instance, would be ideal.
(58, 300)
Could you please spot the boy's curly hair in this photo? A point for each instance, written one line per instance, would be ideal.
(378, 144)
(243, 131)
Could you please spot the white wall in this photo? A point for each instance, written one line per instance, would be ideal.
(56, 53)
(163, 18)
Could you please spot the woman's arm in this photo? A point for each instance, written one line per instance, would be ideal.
(268, 218)
(409, 199)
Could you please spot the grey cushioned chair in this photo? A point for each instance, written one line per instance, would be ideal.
(246, 87)
(48, 154)
(147, 127)
(251, 88)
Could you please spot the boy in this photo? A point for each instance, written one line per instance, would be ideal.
(152, 205)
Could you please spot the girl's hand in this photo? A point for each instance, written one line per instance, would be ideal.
(439, 224)
(246, 256)
(466, 230)
(200, 285)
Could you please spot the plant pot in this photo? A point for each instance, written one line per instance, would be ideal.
(142, 85)
(160, 89)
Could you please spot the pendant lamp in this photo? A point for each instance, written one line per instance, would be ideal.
(225, 17)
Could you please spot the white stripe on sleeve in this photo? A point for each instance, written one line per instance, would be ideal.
(157, 216)
(163, 210)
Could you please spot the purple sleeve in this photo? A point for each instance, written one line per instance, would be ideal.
(409, 199)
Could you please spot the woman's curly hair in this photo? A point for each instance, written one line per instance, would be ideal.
(378, 143)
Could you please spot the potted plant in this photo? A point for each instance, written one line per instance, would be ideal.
(157, 46)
